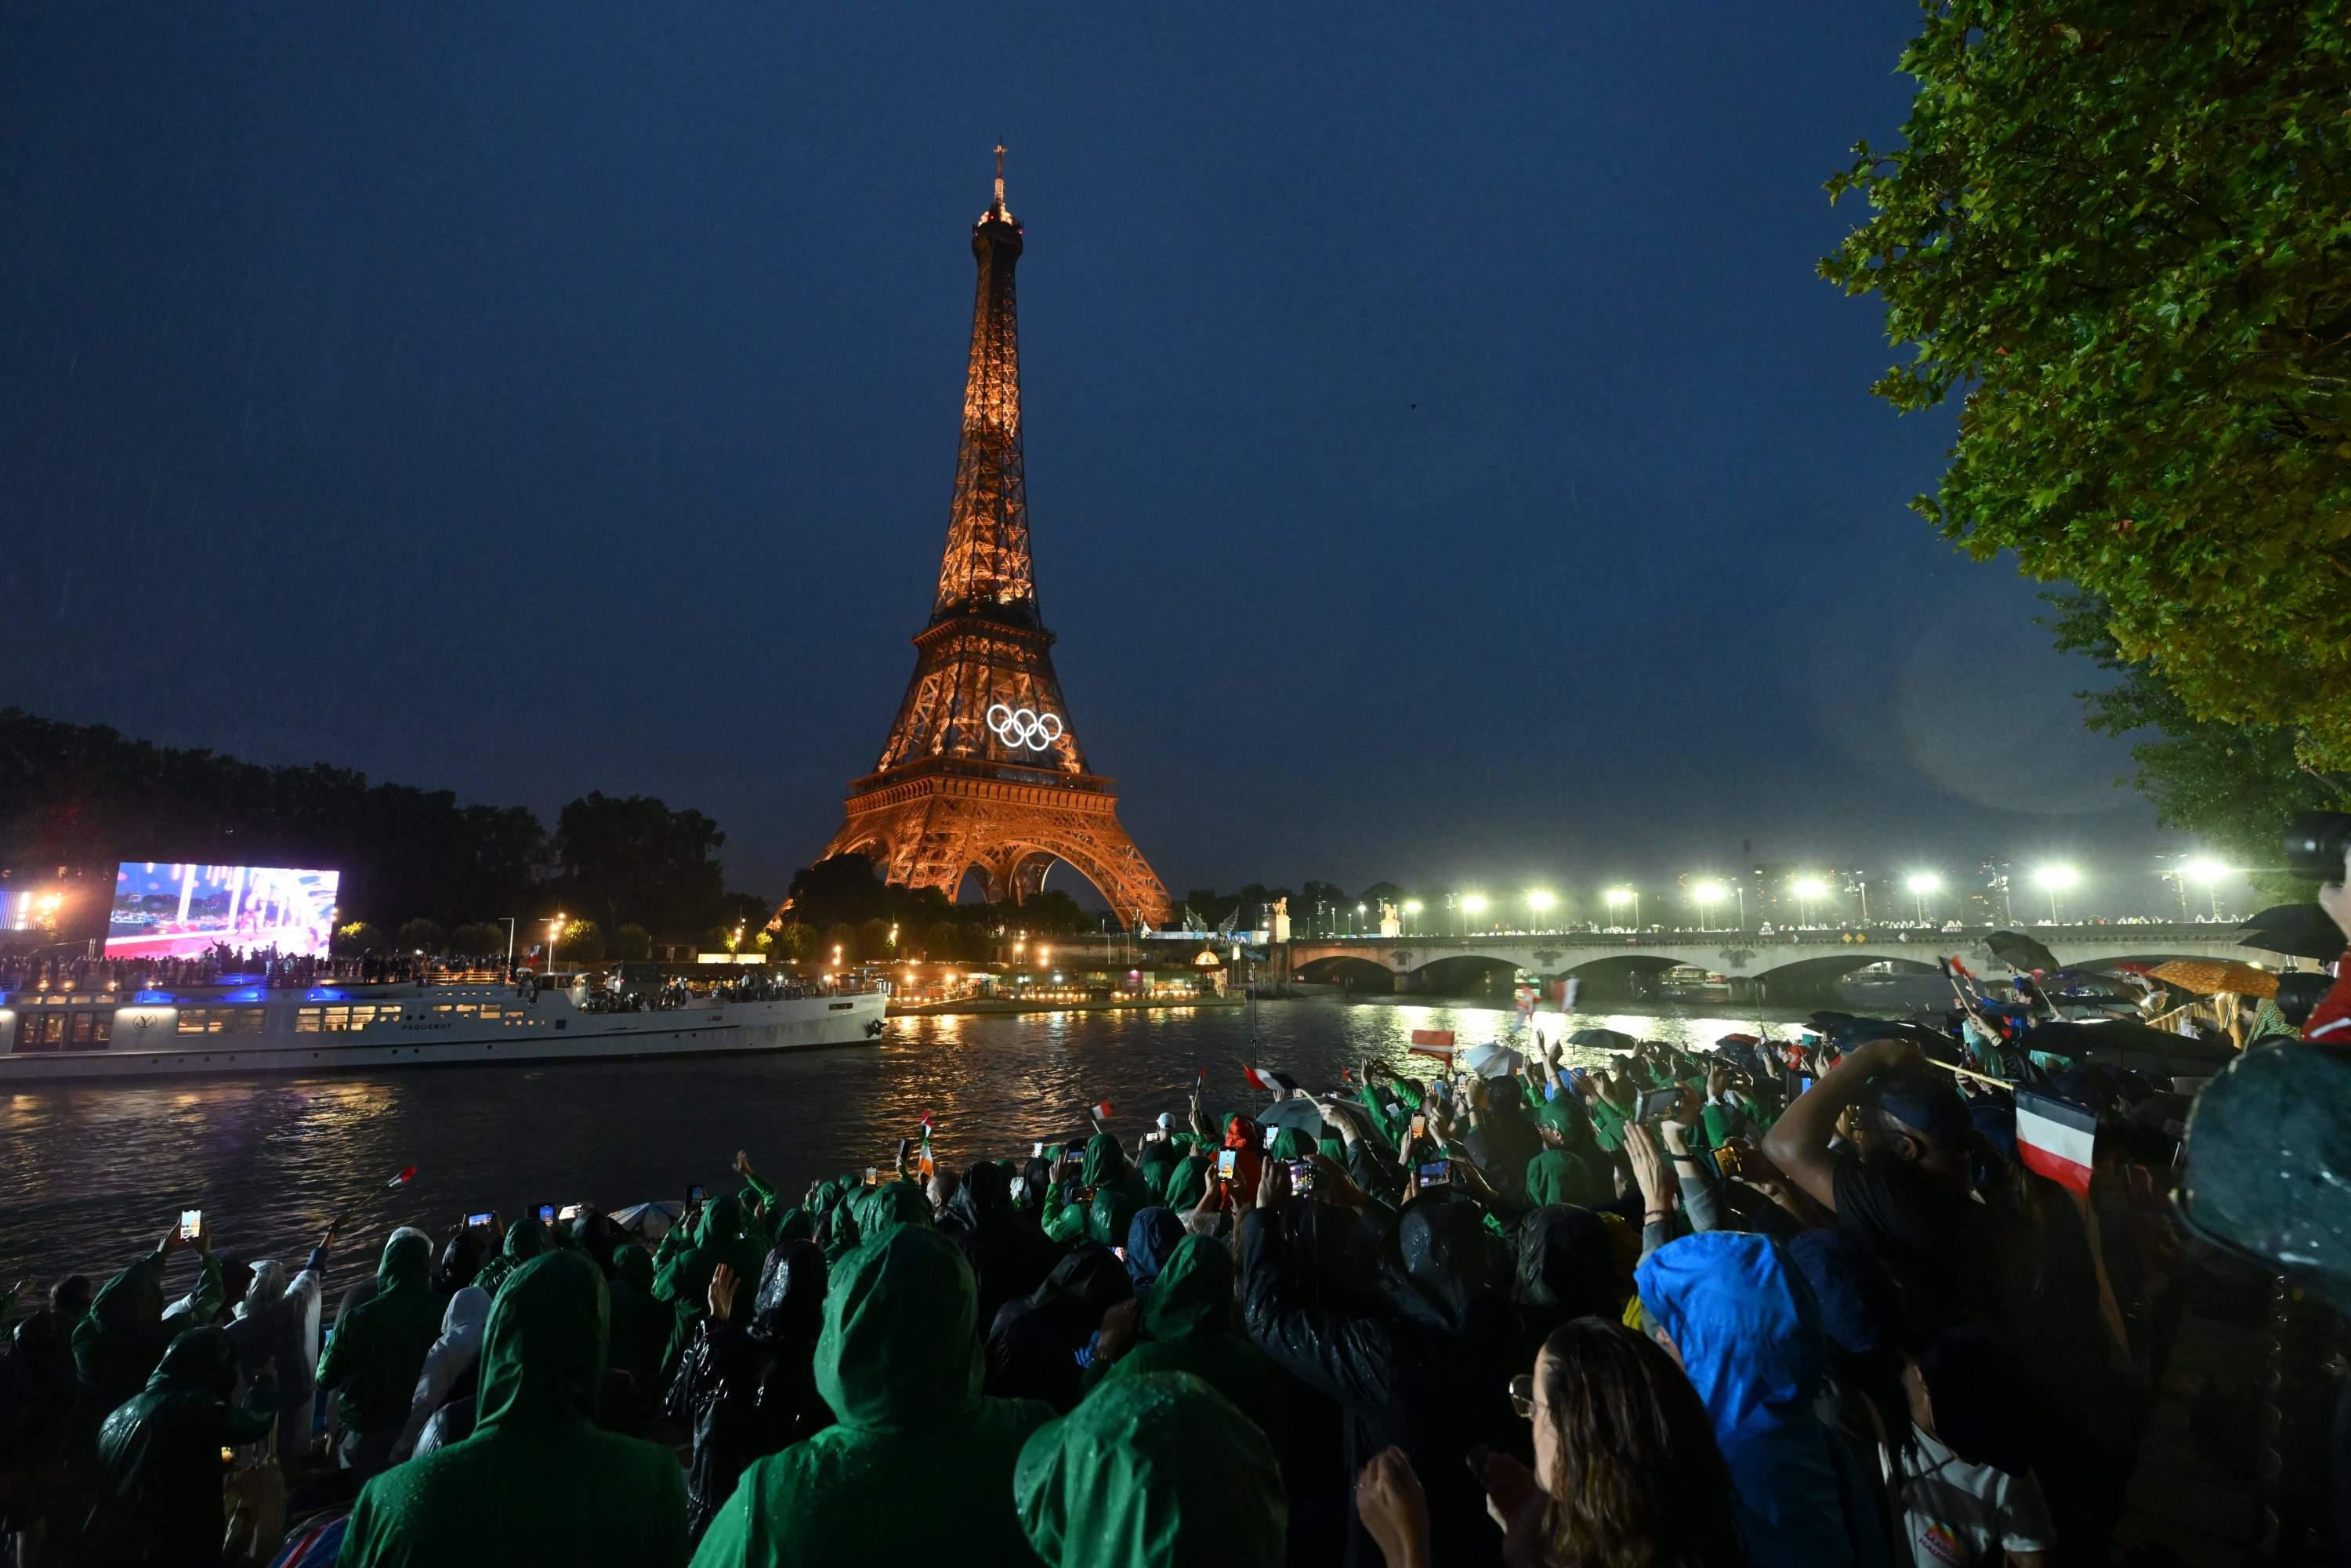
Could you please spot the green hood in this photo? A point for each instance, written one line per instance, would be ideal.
(882, 1210)
(543, 1350)
(1152, 1472)
(1289, 1144)
(1105, 1162)
(634, 1265)
(898, 1353)
(526, 1239)
(406, 1263)
(1195, 1291)
(722, 1221)
(1182, 1188)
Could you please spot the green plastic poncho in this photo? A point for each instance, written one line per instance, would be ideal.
(1118, 1192)
(536, 1481)
(159, 1455)
(372, 1363)
(526, 1239)
(920, 1464)
(1554, 1176)
(881, 1209)
(683, 1268)
(126, 1332)
(1153, 1472)
(1185, 1177)
(1189, 1317)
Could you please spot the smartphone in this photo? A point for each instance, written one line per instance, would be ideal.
(1436, 1173)
(1302, 1177)
(906, 1147)
(571, 1211)
(485, 1218)
(1727, 1160)
(547, 1214)
(872, 1175)
(1420, 1126)
(695, 1193)
(1656, 1103)
(1037, 1152)
(1225, 1160)
(192, 1224)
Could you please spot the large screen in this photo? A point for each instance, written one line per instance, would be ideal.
(182, 911)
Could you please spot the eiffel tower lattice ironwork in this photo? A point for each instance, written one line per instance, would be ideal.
(982, 770)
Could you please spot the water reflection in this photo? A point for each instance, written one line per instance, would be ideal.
(96, 1173)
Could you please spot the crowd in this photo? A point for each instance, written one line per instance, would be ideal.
(219, 964)
(1696, 1308)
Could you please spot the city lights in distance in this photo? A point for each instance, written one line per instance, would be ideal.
(1540, 899)
(1924, 883)
(2056, 878)
(1473, 904)
(2205, 868)
(1811, 887)
(1411, 906)
(1618, 897)
(1710, 891)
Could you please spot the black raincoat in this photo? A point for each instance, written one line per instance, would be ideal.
(748, 1388)
(159, 1457)
(126, 1331)
(1032, 1350)
(1007, 1249)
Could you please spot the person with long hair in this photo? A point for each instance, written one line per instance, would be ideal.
(1626, 1471)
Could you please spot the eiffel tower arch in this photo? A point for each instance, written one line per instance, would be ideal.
(982, 770)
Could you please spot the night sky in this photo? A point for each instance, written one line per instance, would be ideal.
(1444, 464)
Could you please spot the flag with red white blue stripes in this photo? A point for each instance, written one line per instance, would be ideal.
(2056, 1138)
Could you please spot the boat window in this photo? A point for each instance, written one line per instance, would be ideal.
(91, 1030)
(40, 1032)
(305, 1020)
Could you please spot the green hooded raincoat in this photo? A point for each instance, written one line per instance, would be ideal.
(372, 1363)
(1189, 1317)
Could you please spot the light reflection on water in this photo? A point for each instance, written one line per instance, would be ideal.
(95, 1173)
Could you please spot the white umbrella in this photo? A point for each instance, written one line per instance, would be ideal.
(646, 1221)
(1491, 1060)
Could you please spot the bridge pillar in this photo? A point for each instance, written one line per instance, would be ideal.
(1748, 989)
(1407, 983)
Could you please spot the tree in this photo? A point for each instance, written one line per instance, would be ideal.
(487, 937)
(422, 936)
(581, 942)
(350, 941)
(2118, 230)
(2233, 785)
(796, 942)
(943, 943)
(632, 942)
(634, 857)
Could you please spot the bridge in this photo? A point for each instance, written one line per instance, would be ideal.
(1748, 961)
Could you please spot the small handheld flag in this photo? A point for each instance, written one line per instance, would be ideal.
(1102, 1110)
(2056, 1138)
(402, 1179)
(1268, 1080)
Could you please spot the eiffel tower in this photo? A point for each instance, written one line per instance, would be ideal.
(982, 770)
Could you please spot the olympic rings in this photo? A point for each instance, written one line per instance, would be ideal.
(1023, 726)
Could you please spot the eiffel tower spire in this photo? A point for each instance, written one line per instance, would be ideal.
(987, 570)
(982, 771)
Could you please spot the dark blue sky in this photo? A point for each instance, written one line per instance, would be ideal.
(1444, 462)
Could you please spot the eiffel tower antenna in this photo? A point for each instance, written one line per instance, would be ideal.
(982, 771)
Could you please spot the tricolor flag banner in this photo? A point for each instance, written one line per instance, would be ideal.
(2056, 1138)
(1102, 1110)
(1268, 1080)
(1443, 1037)
(402, 1179)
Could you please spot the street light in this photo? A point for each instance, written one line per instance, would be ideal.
(1411, 908)
(1539, 900)
(554, 934)
(1471, 903)
(1808, 889)
(2208, 871)
(1920, 885)
(2055, 879)
(1359, 919)
(1618, 897)
(1707, 895)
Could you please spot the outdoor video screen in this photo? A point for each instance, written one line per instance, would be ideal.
(182, 911)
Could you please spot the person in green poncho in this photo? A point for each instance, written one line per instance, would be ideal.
(920, 1464)
(372, 1363)
(117, 1345)
(1117, 1191)
(526, 1239)
(536, 1481)
(1189, 1317)
(1555, 1175)
(160, 1456)
(883, 1208)
(700, 1241)
(1158, 1471)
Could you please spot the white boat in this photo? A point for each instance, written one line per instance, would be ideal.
(51, 1036)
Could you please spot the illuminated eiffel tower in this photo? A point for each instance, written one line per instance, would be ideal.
(982, 770)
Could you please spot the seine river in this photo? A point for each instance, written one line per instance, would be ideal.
(96, 1174)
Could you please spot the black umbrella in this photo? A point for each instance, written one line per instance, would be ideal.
(2019, 952)
(2296, 930)
(2132, 1047)
(1603, 1039)
(1855, 1031)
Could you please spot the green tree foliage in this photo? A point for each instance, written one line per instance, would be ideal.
(632, 857)
(632, 942)
(83, 794)
(581, 942)
(2232, 784)
(357, 938)
(424, 935)
(2123, 232)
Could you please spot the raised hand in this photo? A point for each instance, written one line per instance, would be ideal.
(1394, 1509)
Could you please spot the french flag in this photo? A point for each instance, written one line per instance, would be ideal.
(1268, 1081)
(2056, 1138)
(1102, 1110)
(1436, 1043)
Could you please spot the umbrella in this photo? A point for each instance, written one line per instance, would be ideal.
(1601, 1040)
(1491, 1060)
(1297, 1112)
(2132, 1047)
(2019, 952)
(1937, 1045)
(646, 1221)
(2296, 930)
(2209, 976)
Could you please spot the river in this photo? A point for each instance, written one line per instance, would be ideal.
(95, 1174)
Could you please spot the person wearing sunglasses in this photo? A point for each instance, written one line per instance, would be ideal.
(1626, 1470)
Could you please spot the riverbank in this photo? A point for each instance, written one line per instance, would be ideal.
(991, 1005)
